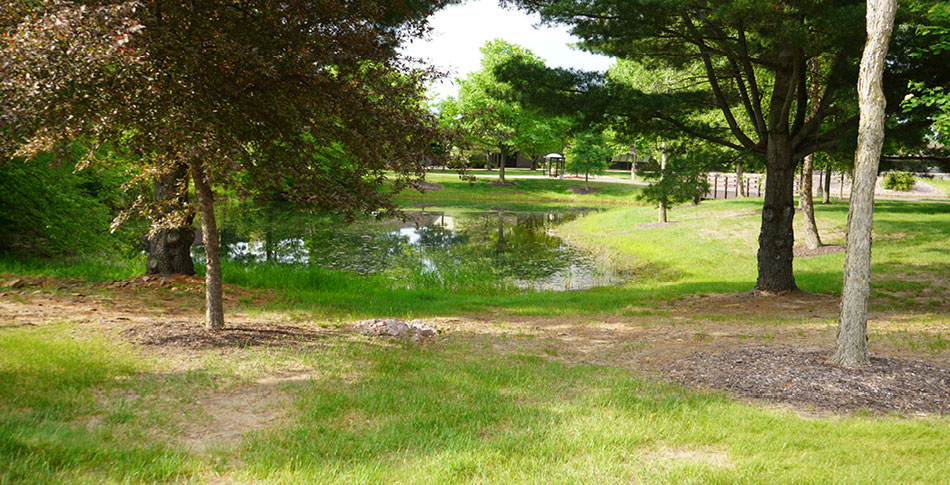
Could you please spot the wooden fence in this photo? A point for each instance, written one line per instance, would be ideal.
(726, 185)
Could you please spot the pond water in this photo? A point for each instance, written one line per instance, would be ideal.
(447, 248)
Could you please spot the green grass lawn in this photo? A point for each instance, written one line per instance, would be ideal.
(89, 411)
(526, 194)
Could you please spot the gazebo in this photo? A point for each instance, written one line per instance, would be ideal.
(554, 165)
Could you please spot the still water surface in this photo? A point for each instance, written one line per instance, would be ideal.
(516, 248)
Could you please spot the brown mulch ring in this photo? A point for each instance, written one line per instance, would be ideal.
(498, 183)
(151, 281)
(806, 378)
(803, 252)
(193, 335)
(651, 225)
(583, 190)
(427, 187)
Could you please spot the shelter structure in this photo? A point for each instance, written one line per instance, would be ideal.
(554, 165)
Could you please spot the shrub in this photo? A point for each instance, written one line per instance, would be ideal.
(47, 208)
(902, 181)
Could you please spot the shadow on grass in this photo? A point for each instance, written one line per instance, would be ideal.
(55, 426)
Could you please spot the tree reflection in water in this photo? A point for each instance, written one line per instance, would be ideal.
(452, 247)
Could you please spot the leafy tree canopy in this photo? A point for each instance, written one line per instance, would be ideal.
(239, 87)
(759, 60)
(487, 109)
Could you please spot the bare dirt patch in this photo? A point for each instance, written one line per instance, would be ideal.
(704, 456)
(498, 183)
(427, 187)
(652, 225)
(583, 190)
(229, 415)
(803, 252)
(750, 304)
(807, 378)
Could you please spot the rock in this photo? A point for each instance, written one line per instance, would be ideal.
(395, 328)
(14, 283)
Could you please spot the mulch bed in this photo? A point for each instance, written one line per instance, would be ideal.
(498, 183)
(427, 187)
(806, 378)
(195, 336)
(803, 252)
(582, 190)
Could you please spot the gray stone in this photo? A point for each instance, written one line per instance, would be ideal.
(395, 328)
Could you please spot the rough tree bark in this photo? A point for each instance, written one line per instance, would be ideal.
(851, 348)
(214, 308)
(812, 238)
(826, 197)
(169, 249)
(661, 213)
(776, 236)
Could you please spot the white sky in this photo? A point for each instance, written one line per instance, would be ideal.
(459, 31)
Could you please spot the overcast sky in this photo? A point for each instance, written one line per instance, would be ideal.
(459, 31)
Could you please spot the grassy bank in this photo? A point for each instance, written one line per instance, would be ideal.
(712, 246)
(525, 194)
(708, 248)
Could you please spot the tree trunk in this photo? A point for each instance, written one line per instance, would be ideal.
(826, 197)
(214, 308)
(777, 236)
(502, 158)
(661, 215)
(586, 183)
(812, 239)
(851, 348)
(487, 160)
(169, 249)
(740, 187)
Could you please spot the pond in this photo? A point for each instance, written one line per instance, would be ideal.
(445, 248)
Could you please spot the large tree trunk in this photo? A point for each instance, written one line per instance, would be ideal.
(777, 236)
(812, 239)
(661, 213)
(169, 249)
(214, 308)
(487, 160)
(851, 347)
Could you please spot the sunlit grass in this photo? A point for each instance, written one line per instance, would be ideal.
(458, 413)
(527, 194)
(56, 425)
